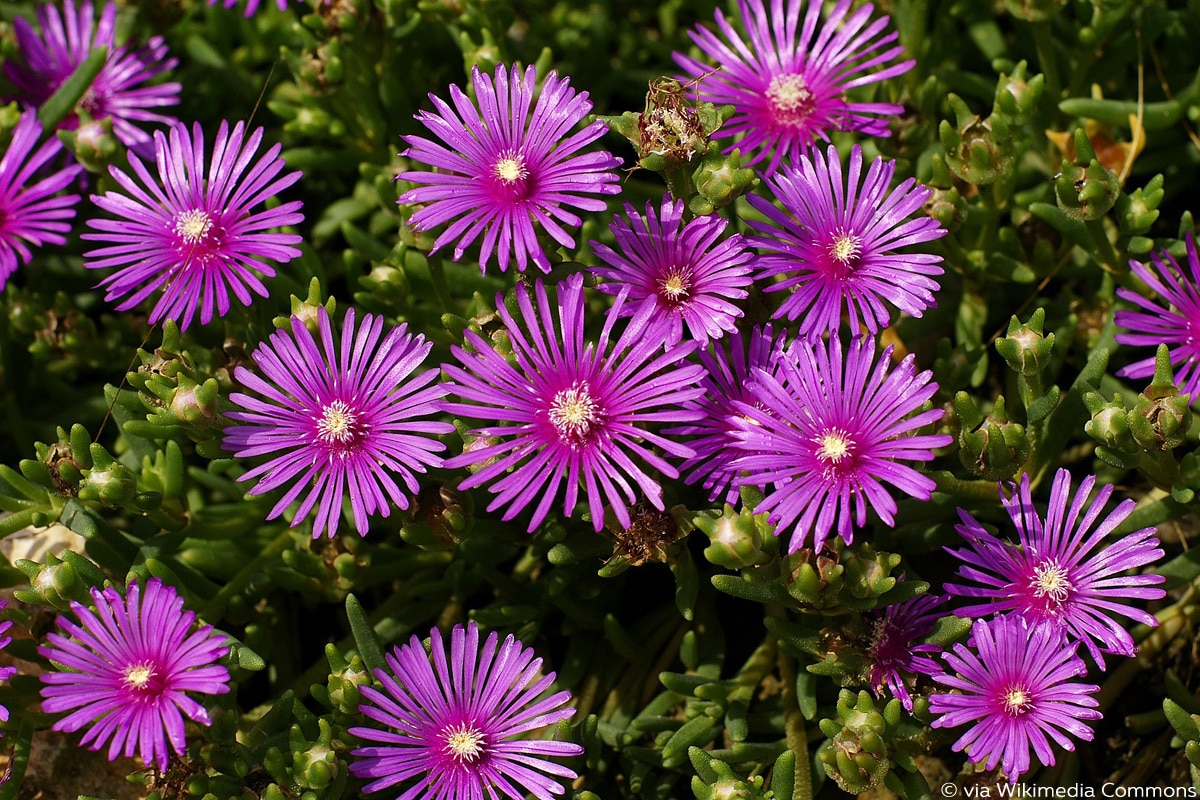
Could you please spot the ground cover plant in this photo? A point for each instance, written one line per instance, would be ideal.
(467, 398)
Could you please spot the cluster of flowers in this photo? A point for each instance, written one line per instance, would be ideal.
(821, 426)
(127, 668)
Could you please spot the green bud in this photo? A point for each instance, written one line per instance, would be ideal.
(1162, 416)
(307, 310)
(720, 179)
(108, 481)
(93, 144)
(1086, 189)
(736, 537)
(978, 151)
(343, 685)
(816, 579)
(1109, 424)
(997, 449)
(55, 583)
(195, 404)
(1017, 96)
(857, 758)
(1025, 348)
(1136, 212)
(314, 765)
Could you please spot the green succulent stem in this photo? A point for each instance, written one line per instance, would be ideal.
(1043, 42)
(793, 725)
(1105, 251)
(947, 483)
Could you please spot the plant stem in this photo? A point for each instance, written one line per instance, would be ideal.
(793, 725)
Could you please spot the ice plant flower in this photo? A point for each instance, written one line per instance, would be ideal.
(834, 243)
(336, 420)
(192, 233)
(828, 431)
(124, 670)
(6, 673)
(728, 366)
(1172, 317)
(571, 412)
(789, 84)
(1017, 690)
(31, 210)
(120, 92)
(505, 170)
(894, 655)
(1060, 571)
(458, 729)
(693, 275)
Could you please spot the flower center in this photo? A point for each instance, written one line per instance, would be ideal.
(138, 678)
(339, 428)
(463, 743)
(511, 169)
(1051, 583)
(835, 451)
(574, 413)
(674, 287)
(790, 99)
(845, 249)
(833, 446)
(193, 225)
(1016, 700)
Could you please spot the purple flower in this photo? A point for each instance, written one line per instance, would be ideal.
(1017, 692)
(191, 232)
(130, 662)
(31, 211)
(6, 673)
(894, 655)
(337, 420)
(830, 432)
(569, 410)
(502, 168)
(728, 367)
(834, 243)
(1061, 572)
(1174, 319)
(458, 729)
(788, 85)
(691, 275)
(118, 92)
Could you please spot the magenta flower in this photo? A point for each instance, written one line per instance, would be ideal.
(789, 84)
(830, 432)
(571, 411)
(191, 232)
(31, 210)
(1061, 572)
(125, 670)
(338, 420)
(1172, 317)
(834, 244)
(6, 673)
(118, 93)
(894, 655)
(1017, 691)
(728, 366)
(503, 171)
(692, 274)
(459, 729)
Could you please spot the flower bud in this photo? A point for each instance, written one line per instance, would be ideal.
(857, 758)
(1025, 348)
(720, 179)
(736, 538)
